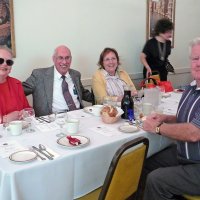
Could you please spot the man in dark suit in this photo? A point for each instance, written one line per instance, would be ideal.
(57, 88)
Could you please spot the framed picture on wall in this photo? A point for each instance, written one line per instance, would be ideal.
(7, 25)
(157, 9)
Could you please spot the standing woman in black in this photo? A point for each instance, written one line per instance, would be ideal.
(157, 50)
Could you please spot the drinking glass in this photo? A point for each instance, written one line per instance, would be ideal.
(137, 107)
(61, 119)
(162, 90)
(28, 116)
(107, 100)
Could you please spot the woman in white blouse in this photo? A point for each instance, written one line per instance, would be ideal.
(109, 79)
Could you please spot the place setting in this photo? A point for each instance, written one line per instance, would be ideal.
(68, 136)
(15, 152)
(38, 152)
(73, 141)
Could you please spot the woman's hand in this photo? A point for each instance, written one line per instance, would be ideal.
(15, 115)
(149, 72)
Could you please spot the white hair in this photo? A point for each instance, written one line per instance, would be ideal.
(194, 42)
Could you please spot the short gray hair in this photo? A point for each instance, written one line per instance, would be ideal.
(194, 42)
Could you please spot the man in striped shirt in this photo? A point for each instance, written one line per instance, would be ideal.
(176, 170)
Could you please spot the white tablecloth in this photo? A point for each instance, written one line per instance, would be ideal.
(73, 174)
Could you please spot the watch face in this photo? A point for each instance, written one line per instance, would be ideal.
(158, 130)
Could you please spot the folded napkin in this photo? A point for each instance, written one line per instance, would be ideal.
(73, 141)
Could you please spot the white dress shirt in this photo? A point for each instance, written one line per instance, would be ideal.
(59, 104)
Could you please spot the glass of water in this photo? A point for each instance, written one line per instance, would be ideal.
(28, 116)
(61, 119)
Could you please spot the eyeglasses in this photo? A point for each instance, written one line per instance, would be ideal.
(195, 58)
(8, 62)
(110, 59)
(60, 58)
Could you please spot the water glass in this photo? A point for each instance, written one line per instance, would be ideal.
(162, 89)
(159, 109)
(28, 116)
(61, 119)
(107, 100)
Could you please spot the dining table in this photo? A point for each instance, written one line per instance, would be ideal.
(74, 170)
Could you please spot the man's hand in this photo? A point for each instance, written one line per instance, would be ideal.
(150, 124)
(157, 117)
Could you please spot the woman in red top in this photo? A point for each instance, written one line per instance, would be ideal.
(12, 98)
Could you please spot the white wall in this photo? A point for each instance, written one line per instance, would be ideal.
(87, 26)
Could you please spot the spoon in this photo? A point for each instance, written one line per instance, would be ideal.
(43, 148)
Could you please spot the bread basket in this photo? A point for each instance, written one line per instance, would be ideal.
(110, 120)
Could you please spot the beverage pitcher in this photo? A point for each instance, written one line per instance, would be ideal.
(152, 96)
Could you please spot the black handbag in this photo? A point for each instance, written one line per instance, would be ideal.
(169, 67)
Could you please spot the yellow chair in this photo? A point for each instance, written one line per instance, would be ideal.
(123, 176)
(192, 197)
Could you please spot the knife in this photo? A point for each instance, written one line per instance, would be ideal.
(40, 151)
(38, 155)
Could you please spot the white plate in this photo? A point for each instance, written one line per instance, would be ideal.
(88, 109)
(23, 156)
(128, 128)
(63, 141)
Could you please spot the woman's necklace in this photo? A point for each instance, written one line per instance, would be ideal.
(162, 51)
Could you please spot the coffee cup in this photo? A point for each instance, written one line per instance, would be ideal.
(15, 128)
(72, 126)
(147, 108)
(96, 110)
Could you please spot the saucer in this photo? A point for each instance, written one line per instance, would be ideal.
(88, 109)
(128, 128)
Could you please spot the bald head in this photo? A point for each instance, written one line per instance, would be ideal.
(61, 48)
(62, 59)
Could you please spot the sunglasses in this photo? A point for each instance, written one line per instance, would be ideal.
(8, 62)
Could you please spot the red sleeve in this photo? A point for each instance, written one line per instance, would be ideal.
(23, 98)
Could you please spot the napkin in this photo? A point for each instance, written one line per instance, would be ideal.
(106, 131)
(44, 127)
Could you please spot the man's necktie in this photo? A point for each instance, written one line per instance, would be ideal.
(68, 98)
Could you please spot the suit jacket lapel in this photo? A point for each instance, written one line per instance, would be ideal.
(75, 80)
(48, 86)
